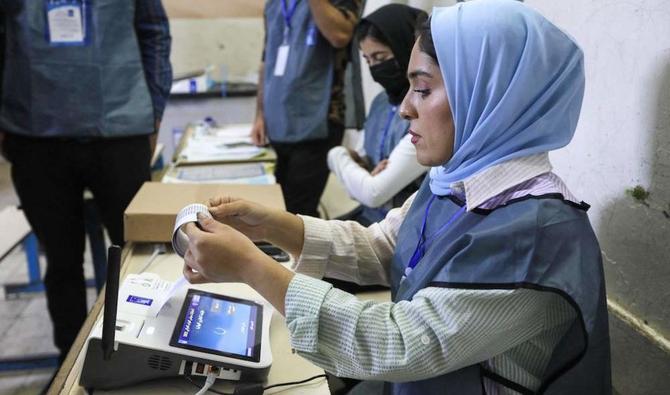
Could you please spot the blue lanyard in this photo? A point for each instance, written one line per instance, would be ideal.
(288, 14)
(382, 145)
(424, 241)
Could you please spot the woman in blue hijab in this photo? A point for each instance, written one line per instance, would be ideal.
(495, 272)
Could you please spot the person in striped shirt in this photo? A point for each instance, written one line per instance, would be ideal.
(495, 272)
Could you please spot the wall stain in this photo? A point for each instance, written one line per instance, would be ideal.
(639, 194)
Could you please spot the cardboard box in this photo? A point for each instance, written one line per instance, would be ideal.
(151, 214)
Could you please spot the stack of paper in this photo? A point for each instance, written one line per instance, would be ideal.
(232, 173)
(212, 144)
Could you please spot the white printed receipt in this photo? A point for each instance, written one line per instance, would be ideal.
(186, 215)
(146, 293)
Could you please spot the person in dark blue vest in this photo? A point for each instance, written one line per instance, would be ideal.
(495, 271)
(300, 105)
(384, 173)
(84, 87)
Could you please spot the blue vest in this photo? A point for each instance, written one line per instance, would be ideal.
(75, 91)
(296, 104)
(377, 147)
(540, 243)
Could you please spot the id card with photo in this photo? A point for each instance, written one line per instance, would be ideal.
(66, 22)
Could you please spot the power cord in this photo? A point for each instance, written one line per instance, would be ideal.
(253, 388)
(211, 378)
(318, 376)
(159, 249)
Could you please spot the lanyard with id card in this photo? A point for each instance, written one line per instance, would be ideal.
(66, 22)
(426, 240)
(385, 133)
(283, 51)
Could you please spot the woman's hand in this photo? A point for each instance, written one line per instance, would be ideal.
(257, 222)
(218, 253)
(247, 217)
(258, 134)
(381, 166)
(356, 158)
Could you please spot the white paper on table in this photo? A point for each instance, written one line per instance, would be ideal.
(240, 130)
(221, 140)
(266, 179)
(203, 152)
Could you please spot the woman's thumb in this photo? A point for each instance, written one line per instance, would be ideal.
(207, 223)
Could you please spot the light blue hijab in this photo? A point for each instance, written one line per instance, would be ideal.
(515, 84)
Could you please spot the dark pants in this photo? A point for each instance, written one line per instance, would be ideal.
(302, 170)
(50, 176)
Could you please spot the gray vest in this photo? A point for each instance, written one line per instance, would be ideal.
(95, 90)
(296, 104)
(377, 147)
(540, 243)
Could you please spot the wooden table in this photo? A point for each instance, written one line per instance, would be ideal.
(286, 365)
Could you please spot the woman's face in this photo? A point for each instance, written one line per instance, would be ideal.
(375, 52)
(426, 106)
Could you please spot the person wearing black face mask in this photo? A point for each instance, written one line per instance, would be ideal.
(384, 171)
(390, 75)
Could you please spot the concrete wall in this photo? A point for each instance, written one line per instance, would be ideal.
(232, 45)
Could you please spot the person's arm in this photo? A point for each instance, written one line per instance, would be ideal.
(340, 249)
(258, 132)
(223, 249)
(348, 251)
(260, 223)
(218, 253)
(375, 190)
(336, 24)
(440, 330)
(153, 35)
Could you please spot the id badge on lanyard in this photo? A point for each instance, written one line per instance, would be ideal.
(66, 22)
(425, 241)
(282, 53)
(385, 133)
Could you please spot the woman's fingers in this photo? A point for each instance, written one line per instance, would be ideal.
(191, 261)
(192, 269)
(217, 201)
(193, 277)
(191, 230)
(230, 209)
(380, 167)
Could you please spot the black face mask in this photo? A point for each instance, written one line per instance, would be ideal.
(389, 75)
